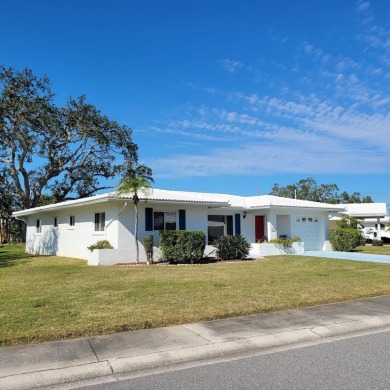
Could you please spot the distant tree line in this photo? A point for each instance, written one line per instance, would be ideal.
(308, 189)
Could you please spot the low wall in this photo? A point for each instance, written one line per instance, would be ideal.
(126, 256)
(266, 249)
(120, 256)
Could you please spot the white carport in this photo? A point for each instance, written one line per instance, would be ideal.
(368, 212)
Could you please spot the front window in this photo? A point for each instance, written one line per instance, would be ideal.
(164, 220)
(219, 225)
(38, 226)
(100, 221)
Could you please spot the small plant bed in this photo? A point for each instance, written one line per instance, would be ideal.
(285, 242)
(207, 260)
(102, 244)
(53, 298)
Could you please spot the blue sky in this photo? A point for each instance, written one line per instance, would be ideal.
(224, 95)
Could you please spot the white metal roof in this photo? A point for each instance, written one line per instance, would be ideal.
(151, 195)
(66, 204)
(266, 201)
(366, 209)
(203, 198)
(182, 197)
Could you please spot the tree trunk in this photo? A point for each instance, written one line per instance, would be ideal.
(136, 231)
(3, 230)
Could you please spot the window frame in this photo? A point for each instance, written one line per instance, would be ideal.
(38, 226)
(165, 220)
(99, 223)
(224, 221)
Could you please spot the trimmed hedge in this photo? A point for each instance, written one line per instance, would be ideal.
(344, 240)
(377, 243)
(148, 245)
(232, 247)
(182, 246)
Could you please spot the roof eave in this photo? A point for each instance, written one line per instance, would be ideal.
(186, 202)
(61, 206)
(295, 207)
(58, 206)
(367, 215)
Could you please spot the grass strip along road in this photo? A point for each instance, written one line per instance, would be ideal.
(45, 298)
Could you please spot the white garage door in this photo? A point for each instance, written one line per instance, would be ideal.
(309, 230)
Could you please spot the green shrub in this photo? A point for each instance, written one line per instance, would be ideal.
(377, 243)
(148, 245)
(344, 240)
(182, 246)
(232, 247)
(102, 244)
(286, 242)
(347, 223)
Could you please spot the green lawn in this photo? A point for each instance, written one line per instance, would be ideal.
(378, 250)
(52, 298)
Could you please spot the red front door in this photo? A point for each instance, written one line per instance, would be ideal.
(259, 227)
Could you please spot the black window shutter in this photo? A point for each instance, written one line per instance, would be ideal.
(182, 220)
(237, 220)
(229, 225)
(148, 219)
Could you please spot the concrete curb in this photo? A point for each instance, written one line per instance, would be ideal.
(137, 363)
(133, 364)
(54, 377)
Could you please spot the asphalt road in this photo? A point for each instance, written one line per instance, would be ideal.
(354, 363)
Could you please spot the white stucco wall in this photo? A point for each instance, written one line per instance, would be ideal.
(265, 249)
(73, 241)
(66, 240)
(248, 227)
(272, 231)
(283, 223)
(196, 218)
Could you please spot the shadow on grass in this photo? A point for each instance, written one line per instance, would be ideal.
(207, 260)
(9, 258)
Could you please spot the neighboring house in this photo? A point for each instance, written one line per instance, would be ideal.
(68, 228)
(372, 218)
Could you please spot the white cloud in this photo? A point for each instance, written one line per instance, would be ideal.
(266, 158)
(232, 66)
(363, 6)
(333, 120)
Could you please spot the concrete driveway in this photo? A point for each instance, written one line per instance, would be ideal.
(349, 256)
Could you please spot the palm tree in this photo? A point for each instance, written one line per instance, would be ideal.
(134, 185)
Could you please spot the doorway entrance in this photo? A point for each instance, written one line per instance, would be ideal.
(259, 227)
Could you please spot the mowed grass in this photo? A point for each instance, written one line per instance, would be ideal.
(377, 250)
(53, 298)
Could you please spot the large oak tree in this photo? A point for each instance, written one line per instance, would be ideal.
(64, 151)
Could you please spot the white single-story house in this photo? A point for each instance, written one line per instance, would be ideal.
(68, 228)
(372, 218)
